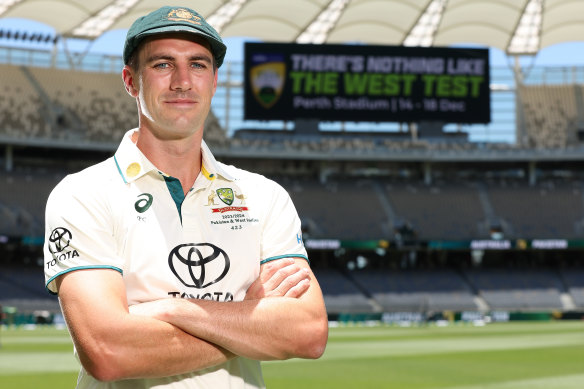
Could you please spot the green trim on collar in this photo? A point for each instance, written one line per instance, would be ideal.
(120, 170)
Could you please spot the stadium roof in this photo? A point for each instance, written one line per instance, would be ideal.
(519, 27)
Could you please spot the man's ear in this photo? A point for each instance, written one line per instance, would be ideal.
(130, 79)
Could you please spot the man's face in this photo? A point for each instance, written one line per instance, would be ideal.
(174, 83)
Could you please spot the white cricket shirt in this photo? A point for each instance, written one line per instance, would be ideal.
(124, 214)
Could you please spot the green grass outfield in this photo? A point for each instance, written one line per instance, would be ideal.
(517, 355)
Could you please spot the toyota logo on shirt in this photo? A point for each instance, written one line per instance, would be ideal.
(198, 265)
(59, 240)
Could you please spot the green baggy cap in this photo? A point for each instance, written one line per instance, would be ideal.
(173, 19)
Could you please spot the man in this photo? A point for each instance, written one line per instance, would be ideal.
(174, 270)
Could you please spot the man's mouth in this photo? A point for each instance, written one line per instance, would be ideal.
(181, 102)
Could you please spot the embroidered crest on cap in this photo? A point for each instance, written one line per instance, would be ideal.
(183, 15)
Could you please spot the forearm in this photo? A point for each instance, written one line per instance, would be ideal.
(265, 329)
(148, 348)
(113, 344)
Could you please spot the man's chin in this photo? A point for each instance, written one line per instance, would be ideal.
(178, 129)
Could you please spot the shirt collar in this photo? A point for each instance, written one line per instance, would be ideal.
(210, 168)
(132, 164)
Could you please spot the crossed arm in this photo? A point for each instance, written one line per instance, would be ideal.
(282, 316)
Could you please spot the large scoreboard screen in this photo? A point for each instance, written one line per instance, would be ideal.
(366, 83)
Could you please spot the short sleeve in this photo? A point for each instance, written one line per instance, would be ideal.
(282, 234)
(78, 230)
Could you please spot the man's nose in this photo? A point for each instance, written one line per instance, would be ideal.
(181, 79)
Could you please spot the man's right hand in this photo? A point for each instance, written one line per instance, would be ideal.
(279, 278)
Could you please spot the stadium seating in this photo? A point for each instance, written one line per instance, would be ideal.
(551, 114)
(341, 295)
(22, 113)
(417, 291)
(574, 279)
(23, 195)
(549, 210)
(342, 209)
(23, 288)
(95, 101)
(518, 289)
(451, 212)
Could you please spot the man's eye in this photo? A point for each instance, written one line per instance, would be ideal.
(162, 65)
(197, 65)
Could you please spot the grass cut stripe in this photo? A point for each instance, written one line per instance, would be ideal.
(41, 362)
(575, 381)
(497, 356)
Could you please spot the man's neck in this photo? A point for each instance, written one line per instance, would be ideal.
(180, 158)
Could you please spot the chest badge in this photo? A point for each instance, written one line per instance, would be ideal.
(226, 195)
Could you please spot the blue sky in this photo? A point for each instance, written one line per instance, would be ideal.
(564, 54)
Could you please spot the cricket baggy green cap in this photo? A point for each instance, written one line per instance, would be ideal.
(173, 19)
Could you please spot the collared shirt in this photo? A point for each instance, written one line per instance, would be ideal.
(125, 214)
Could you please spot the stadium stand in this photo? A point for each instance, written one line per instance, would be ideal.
(341, 294)
(518, 289)
(94, 104)
(548, 210)
(574, 280)
(90, 111)
(551, 114)
(417, 291)
(23, 195)
(448, 210)
(23, 288)
(22, 112)
(80, 106)
(440, 211)
(347, 209)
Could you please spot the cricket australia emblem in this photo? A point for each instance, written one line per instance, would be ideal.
(226, 195)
